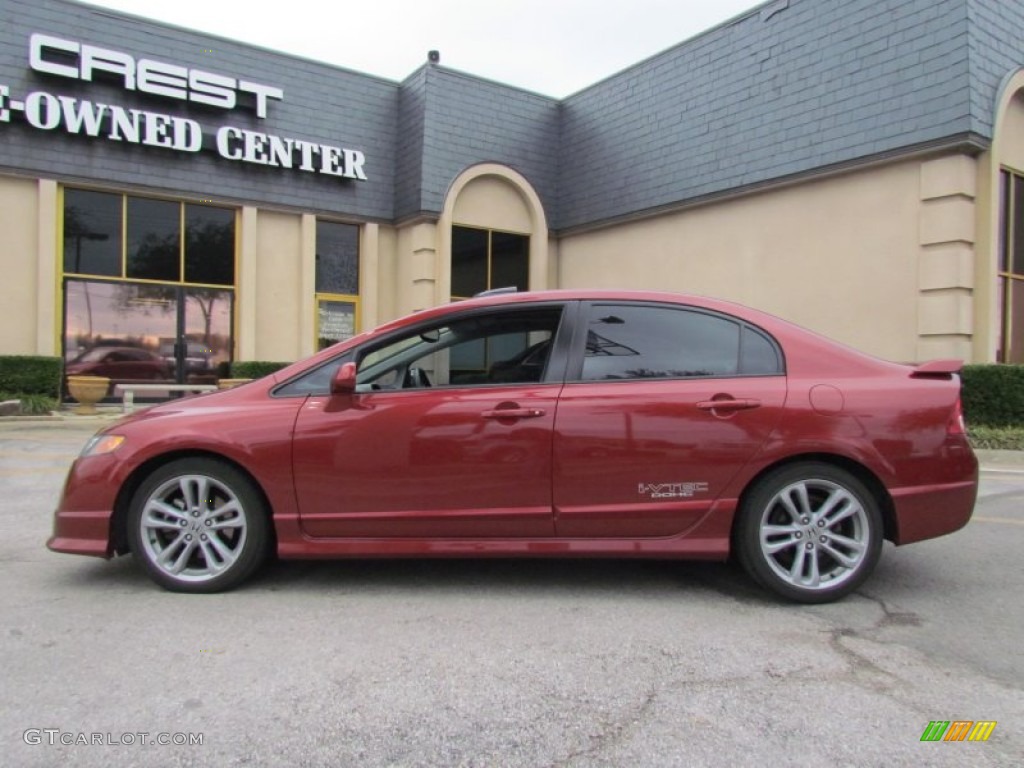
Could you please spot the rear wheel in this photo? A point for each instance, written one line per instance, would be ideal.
(198, 525)
(810, 532)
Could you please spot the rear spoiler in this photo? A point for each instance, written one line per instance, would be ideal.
(937, 369)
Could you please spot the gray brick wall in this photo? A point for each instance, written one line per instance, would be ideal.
(818, 83)
(470, 121)
(321, 103)
(412, 105)
(791, 87)
(996, 48)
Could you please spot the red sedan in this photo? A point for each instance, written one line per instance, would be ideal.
(547, 424)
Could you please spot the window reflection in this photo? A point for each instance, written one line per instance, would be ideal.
(92, 233)
(153, 239)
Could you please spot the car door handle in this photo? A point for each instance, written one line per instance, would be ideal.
(728, 405)
(513, 413)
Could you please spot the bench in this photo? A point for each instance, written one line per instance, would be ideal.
(127, 391)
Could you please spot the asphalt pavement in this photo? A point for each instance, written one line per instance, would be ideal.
(502, 663)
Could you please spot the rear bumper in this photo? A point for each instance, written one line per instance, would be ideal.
(925, 512)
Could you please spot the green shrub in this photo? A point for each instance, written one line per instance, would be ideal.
(37, 405)
(254, 369)
(30, 375)
(998, 438)
(993, 395)
(31, 405)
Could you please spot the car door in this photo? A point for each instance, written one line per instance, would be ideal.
(663, 407)
(447, 436)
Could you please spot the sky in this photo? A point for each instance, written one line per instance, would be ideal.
(552, 47)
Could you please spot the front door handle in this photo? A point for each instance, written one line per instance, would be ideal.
(729, 405)
(513, 413)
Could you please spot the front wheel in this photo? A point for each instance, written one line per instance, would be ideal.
(198, 525)
(810, 532)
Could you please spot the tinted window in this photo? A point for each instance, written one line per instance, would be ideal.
(758, 354)
(630, 342)
(92, 233)
(154, 228)
(506, 347)
(209, 245)
(337, 258)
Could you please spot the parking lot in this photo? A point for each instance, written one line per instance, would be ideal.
(501, 663)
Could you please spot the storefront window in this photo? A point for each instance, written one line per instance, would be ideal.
(155, 230)
(148, 289)
(92, 233)
(484, 259)
(209, 245)
(337, 281)
(154, 244)
(1011, 270)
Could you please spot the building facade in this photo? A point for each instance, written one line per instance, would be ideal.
(171, 201)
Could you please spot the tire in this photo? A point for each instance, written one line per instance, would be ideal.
(198, 525)
(810, 532)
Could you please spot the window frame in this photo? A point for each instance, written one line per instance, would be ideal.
(320, 297)
(1006, 278)
(554, 372)
(122, 275)
(490, 258)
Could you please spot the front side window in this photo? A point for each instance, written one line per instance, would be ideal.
(509, 347)
(1011, 270)
(637, 342)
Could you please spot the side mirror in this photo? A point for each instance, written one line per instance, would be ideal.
(344, 381)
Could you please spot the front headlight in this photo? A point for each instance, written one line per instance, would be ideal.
(100, 444)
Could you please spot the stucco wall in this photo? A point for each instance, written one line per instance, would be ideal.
(279, 324)
(19, 214)
(837, 255)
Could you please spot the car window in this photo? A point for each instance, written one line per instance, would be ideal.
(637, 342)
(500, 347)
(315, 382)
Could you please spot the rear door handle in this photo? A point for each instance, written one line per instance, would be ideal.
(513, 413)
(729, 405)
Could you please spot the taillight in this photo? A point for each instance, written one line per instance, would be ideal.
(956, 425)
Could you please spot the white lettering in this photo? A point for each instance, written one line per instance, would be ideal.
(38, 43)
(215, 90)
(354, 160)
(307, 149)
(188, 135)
(114, 62)
(330, 161)
(48, 54)
(162, 79)
(79, 114)
(262, 93)
(124, 127)
(281, 151)
(255, 143)
(227, 143)
(42, 111)
(156, 130)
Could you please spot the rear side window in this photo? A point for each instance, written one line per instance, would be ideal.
(638, 342)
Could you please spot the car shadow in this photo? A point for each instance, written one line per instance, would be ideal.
(639, 579)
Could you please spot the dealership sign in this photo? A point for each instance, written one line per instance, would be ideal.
(78, 61)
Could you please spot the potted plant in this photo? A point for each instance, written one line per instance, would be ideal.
(88, 390)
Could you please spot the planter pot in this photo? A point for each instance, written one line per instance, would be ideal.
(229, 383)
(88, 390)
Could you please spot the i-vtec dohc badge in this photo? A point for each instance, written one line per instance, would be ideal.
(672, 490)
